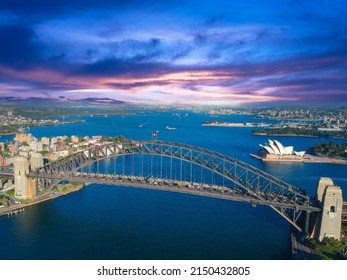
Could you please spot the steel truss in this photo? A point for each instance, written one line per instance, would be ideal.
(254, 185)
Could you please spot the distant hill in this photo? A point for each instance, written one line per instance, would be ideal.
(52, 102)
(100, 100)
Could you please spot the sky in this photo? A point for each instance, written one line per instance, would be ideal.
(175, 51)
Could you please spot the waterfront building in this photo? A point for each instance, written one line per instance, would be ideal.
(36, 146)
(23, 137)
(275, 150)
(36, 161)
(74, 139)
(45, 141)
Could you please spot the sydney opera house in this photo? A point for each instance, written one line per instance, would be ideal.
(275, 150)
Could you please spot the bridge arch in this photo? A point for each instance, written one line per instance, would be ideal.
(249, 183)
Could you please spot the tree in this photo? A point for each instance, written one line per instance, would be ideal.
(44, 152)
(119, 138)
(106, 138)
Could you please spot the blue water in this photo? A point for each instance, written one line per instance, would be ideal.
(109, 222)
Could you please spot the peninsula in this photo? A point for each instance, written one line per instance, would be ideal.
(326, 152)
(309, 131)
(10, 126)
(234, 124)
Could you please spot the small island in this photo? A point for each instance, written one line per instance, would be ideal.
(233, 124)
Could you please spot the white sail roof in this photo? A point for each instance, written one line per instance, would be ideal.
(301, 154)
(268, 149)
(280, 147)
(288, 150)
(275, 147)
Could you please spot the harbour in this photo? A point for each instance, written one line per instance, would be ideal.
(139, 221)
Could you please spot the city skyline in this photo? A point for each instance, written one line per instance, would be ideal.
(175, 52)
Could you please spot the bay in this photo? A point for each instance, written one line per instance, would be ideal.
(110, 222)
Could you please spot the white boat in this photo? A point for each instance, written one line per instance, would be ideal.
(170, 128)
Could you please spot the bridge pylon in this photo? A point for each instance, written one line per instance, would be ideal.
(26, 187)
(328, 221)
(21, 183)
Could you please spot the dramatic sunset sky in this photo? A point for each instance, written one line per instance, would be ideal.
(175, 51)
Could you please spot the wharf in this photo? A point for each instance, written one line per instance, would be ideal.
(11, 212)
(16, 208)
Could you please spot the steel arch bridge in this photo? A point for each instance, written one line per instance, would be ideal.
(180, 168)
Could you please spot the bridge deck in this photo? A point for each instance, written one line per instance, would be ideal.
(176, 186)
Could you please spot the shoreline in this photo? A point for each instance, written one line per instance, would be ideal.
(235, 124)
(290, 135)
(8, 134)
(308, 159)
(299, 135)
(300, 249)
(46, 124)
(14, 209)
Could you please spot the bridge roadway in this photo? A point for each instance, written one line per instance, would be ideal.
(169, 185)
(175, 186)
